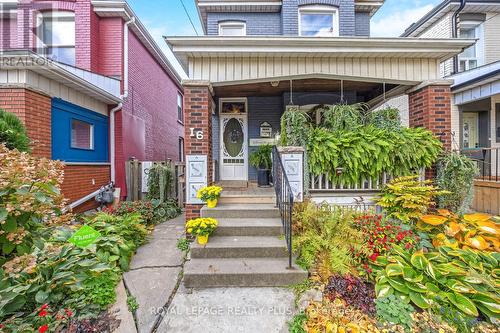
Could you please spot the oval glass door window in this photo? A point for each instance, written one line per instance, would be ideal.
(233, 138)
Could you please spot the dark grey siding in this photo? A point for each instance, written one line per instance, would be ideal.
(257, 23)
(290, 13)
(261, 109)
(362, 24)
(286, 22)
(290, 18)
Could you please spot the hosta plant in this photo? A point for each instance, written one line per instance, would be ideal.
(408, 198)
(476, 231)
(463, 279)
(49, 275)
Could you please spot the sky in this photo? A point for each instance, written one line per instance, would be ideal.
(168, 18)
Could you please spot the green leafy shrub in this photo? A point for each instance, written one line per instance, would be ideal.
(160, 182)
(261, 158)
(183, 244)
(132, 304)
(30, 198)
(461, 279)
(121, 236)
(394, 310)
(368, 152)
(296, 325)
(387, 118)
(46, 276)
(408, 198)
(455, 174)
(99, 289)
(319, 239)
(13, 133)
(152, 212)
(343, 117)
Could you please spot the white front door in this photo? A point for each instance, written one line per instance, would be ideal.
(233, 147)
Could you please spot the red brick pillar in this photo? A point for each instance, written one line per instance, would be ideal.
(430, 107)
(198, 105)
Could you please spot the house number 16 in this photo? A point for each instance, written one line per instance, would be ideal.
(197, 134)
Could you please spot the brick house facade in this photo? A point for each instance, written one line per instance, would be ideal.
(146, 92)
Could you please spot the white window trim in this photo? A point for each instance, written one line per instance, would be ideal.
(318, 9)
(91, 136)
(233, 23)
(51, 14)
(479, 31)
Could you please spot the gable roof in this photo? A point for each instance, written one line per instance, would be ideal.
(447, 6)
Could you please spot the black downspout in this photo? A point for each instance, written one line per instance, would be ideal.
(454, 32)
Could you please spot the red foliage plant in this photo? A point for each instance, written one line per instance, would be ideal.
(380, 235)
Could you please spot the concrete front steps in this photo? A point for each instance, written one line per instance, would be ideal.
(247, 250)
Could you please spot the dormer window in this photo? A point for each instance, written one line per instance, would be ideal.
(56, 36)
(232, 28)
(318, 21)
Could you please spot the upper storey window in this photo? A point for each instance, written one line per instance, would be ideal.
(318, 21)
(472, 57)
(56, 34)
(232, 28)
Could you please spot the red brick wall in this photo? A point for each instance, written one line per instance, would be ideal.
(110, 46)
(153, 99)
(34, 110)
(198, 115)
(80, 180)
(430, 107)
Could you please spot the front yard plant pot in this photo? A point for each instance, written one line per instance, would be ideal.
(262, 177)
(202, 239)
(212, 203)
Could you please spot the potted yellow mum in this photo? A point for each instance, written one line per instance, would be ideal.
(201, 228)
(209, 194)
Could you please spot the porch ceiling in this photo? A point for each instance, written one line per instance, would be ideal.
(371, 93)
(368, 89)
(223, 60)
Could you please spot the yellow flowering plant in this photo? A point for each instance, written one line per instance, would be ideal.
(209, 193)
(203, 226)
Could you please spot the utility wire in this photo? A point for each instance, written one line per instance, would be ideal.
(189, 17)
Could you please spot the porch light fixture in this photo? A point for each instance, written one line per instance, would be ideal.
(274, 84)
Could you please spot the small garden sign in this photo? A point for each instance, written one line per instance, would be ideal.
(84, 236)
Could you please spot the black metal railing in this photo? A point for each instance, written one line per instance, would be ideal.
(487, 160)
(284, 199)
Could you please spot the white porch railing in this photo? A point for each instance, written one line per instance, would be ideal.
(323, 182)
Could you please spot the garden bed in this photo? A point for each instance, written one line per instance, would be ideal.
(414, 269)
(47, 283)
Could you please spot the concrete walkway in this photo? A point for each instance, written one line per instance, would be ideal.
(165, 305)
(154, 272)
(218, 310)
